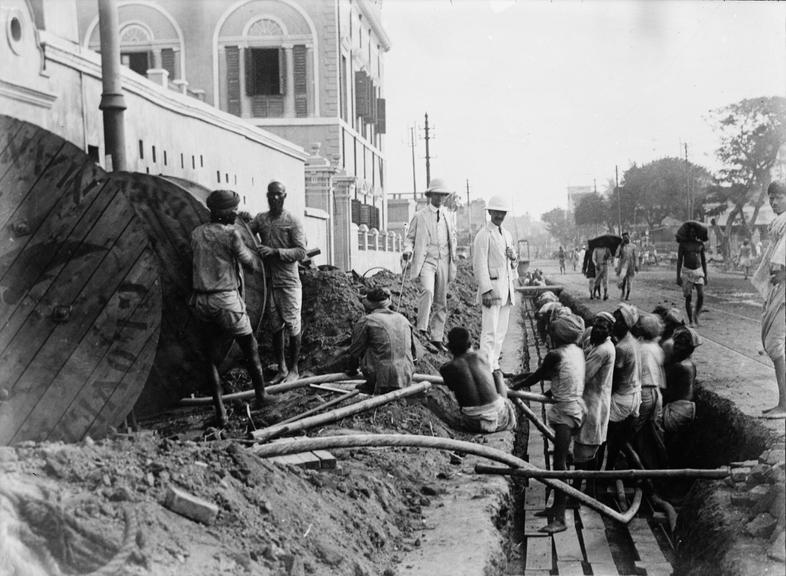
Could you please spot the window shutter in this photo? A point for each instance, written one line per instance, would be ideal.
(233, 79)
(282, 71)
(381, 124)
(301, 81)
(361, 94)
(168, 61)
(371, 112)
(251, 77)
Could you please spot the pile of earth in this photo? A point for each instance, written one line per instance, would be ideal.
(98, 507)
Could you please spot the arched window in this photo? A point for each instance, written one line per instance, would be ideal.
(135, 48)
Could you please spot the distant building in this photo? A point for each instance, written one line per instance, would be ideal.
(575, 195)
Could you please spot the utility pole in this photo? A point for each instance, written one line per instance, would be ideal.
(619, 198)
(414, 178)
(469, 217)
(428, 157)
(688, 191)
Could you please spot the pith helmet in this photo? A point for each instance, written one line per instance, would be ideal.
(498, 203)
(438, 186)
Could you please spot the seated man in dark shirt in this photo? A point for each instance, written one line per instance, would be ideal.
(482, 398)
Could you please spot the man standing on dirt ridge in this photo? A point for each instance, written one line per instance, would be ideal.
(431, 244)
(283, 246)
(494, 264)
(692, 273)
(217, 299)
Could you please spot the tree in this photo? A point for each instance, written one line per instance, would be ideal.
(751, 132)
(557, 224)
(663, 188)
(591, 215)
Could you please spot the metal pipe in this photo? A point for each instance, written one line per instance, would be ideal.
(605, 474)
(112, 100)
(377, 440)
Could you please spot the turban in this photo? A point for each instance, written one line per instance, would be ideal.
(630, 314)
(650, 326)
(568, 328)
(607, 316)
(673, 316)
(689, 335)
(547, 296)
(548, 309)
(377, 298)
(222, 200)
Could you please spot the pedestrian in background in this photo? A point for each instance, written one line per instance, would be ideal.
(494, 262)
(745, 257)
(283, 245)
(431, 244)
(600, 259)
(692, 273)
(627, 266)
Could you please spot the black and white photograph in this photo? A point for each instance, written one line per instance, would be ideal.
(392, 288)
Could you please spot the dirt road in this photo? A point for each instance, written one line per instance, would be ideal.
(730, 361)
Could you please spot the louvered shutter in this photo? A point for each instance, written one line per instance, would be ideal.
(233, 79)
(355, 211)
(361, 94)
(371, 101)
(381, 122)
(282, 72)
(168, 61)
(301, 81)
(251, 77)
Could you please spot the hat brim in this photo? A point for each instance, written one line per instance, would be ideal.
(439, 191)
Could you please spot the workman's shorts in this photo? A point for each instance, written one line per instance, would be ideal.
(691, 278)
(284, 307)
(226, 310)
(584, 452)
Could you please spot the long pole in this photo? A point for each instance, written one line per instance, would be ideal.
(688, 190)
(632, 474)
(414, 178)
(619, 199)
(428, 157)
(469, 218)
(112, 101)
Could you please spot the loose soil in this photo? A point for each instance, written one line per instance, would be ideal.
(106, 497)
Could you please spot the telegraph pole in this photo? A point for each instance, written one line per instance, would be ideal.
(688, 191)
(414, 179)
(619, 198)
(469, 217)
(428, 157)
(112, 101)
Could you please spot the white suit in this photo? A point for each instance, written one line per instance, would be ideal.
(494, 271)
(433, 247)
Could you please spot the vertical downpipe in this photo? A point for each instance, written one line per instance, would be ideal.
(112, 100)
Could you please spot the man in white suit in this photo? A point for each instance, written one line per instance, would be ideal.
(494, 261)
(431, 244)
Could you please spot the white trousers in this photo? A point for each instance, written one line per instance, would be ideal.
(493, 328)
(433, 298)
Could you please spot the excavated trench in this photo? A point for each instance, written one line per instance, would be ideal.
(724, 527)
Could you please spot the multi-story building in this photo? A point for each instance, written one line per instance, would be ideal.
(309, 71)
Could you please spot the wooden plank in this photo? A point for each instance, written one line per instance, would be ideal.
(590, 519)
(569, 568)
(655, 569)
(9, 130)
(13, 157)
(646, 543)
(104, 355)
(567, 543)
(538, 553)
(327, 460)
(533, 524)
(597, 547)
(535, 496)
(600, 569)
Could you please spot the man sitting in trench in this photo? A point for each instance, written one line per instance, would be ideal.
(382, 346)
(482, 398)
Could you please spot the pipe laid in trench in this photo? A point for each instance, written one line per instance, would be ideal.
(605, 474)
(346, 396)
(532, 396)
(665, 506)
(278, 388)
(530, 414)
(378, 440)
(319, 419)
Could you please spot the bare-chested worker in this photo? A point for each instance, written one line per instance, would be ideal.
(483, 399)
(692, 273)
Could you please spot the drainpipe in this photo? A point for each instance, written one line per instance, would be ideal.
(112, 100)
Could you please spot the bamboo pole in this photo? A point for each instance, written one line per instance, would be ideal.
(665, 506)
(605, 474)
(281, 429)
(545, 430)
(335, 389)
(278, 388)
(531, 396)
(323, 406)
(275, 389)
(376, 440)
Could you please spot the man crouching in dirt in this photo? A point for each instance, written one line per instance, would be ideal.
(483, 399)
(382, 346)
(217, 300)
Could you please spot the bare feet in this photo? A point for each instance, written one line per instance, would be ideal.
(291, 376)
(278, 378)
(554, 526)
(545, 513)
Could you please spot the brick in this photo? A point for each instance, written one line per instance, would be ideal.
(327, 460)
(740, 474)
(190, 506)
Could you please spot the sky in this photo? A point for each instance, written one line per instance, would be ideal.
(528, 98)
